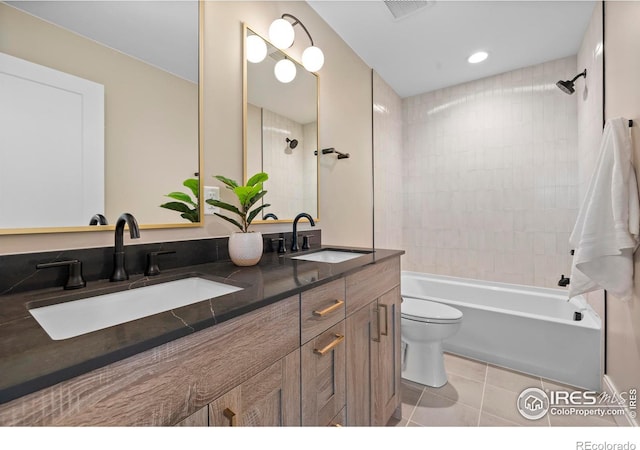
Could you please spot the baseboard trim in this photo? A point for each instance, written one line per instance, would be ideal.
(621, 421)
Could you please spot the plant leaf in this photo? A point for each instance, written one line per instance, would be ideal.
(260, 177)
(224, 205)
(192, 216)
(244, 194)
(230, 220)
(255, 212)
(194, 185)
(181, 196)
(175, 206)
(255, 198)
(231, 184)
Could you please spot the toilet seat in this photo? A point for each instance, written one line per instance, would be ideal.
(428, 311)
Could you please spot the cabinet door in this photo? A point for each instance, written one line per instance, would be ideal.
(386, 359)
(323, 376)
(359, 332)
(200, 418)
(270, 398)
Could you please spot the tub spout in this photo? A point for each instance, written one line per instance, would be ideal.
(563, 281)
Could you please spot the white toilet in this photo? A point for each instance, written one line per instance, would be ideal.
(424, 325)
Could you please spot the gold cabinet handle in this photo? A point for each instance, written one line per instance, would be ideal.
(329, 309)
(323, 351)
(231, 416)
(377, 338)
(336, 425)
(386, 322)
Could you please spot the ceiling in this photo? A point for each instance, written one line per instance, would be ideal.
(427, 49)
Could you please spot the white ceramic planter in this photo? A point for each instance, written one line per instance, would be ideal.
(245, 249)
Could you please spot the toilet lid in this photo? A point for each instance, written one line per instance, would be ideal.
(429, 311)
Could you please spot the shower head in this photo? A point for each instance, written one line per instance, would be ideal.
(293, 143)
(567, 87)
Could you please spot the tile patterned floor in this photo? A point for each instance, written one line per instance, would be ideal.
(479, 394)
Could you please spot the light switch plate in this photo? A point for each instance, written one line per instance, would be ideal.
(213, 193)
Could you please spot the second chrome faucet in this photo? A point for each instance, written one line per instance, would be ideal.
(119, 271)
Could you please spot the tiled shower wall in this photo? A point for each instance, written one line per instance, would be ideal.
(490, 177)
(283, 164)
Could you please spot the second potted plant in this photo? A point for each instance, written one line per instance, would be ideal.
(245, 247)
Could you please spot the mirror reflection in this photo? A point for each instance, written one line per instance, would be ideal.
(281, 132)
(102, 112)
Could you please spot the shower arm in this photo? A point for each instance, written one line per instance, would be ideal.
(581, 74)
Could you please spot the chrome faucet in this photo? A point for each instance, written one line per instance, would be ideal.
(294, 240)
(119, 272)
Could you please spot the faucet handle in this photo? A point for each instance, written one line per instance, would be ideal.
(75, 279)
(305, 241)
(281, 245)
(152, 262)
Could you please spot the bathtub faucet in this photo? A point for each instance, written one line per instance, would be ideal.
(563, 281)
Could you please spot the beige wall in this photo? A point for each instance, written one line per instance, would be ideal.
(622, 91)
(149, 148)
(345, 123)
(387, 154)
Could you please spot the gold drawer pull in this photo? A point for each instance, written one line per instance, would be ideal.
(231, 416)
(339, 338)
(329, 309)
(336, 425)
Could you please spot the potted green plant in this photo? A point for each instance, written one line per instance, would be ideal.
(185, 205)
(245, 247)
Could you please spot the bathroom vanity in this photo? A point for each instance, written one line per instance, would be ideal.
(303, 343)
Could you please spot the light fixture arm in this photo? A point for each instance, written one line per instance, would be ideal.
(298, 22)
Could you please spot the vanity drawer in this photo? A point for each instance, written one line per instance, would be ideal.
(321, 308)
(323, 376)
(367, 285)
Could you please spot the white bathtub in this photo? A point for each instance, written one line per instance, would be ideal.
(523, 328)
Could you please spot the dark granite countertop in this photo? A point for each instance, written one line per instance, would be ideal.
(30, 360)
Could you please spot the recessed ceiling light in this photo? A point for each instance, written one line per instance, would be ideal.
(478, 57)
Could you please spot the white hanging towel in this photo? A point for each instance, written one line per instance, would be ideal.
(606, 231)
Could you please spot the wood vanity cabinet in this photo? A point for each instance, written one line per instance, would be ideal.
(323, 354)
(271, 398)
(168, 384)
(373, 344)
(329, 356)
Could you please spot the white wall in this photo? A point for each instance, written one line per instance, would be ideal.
(490, 177)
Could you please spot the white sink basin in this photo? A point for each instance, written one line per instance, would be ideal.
(70, 319)
(329, 256)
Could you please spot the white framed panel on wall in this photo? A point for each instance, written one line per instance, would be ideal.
(51, 146)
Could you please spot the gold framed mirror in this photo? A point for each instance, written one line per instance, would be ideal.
(149, 131)
(280, 131)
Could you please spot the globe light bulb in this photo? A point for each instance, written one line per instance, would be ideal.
(285, 71)
(312, 59)
(281, 33)
(256, 49)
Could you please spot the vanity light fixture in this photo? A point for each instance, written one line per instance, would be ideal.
(282, 34)
(478, 57)
(256, 49)
(285, 70)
